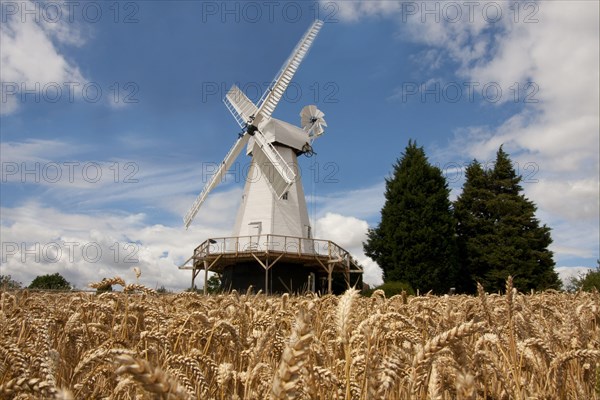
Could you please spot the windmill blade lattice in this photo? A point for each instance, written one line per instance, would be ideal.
(240, 106)
(216, 178)
(271, 97)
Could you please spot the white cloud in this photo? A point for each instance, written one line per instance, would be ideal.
(35, 150)
(30, 55)
(350, 233)
(583, 202)
(560, 133)
(567, 273)
(345, 231)
(343, 218)
(159, 249)
(38, 240)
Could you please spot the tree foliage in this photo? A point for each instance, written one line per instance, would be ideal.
(588, 281)
(213, 284)
(54, 281)
(498, 233)
(415, 240)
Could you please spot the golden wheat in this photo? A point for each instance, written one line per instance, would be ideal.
(137, 344)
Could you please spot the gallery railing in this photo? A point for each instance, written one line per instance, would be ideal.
(240, 245)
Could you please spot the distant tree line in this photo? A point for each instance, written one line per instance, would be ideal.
(487, 234)
(45, 282)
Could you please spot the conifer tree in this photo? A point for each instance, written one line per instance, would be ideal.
(415, 240)
(498, 233)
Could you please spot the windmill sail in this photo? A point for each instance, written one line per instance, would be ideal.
(240, 106)
(273, 94)
(216, 178)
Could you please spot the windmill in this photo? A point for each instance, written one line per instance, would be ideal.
(272, 225)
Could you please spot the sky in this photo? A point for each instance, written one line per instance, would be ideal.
(112, 120)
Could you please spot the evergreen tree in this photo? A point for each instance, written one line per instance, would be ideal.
(472, 215)
(415, 240)
(498, 234)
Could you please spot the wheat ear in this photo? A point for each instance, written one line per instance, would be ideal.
(424, 355)
(117, 280)
(153, 379)
(287, 377)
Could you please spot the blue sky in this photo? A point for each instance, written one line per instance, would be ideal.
(112, 116)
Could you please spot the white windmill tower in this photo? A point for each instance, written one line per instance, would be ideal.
(272, 224)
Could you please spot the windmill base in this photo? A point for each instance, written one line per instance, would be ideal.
(276, 264)
(283, 278)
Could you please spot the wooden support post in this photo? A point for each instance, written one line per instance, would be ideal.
(266, 268)
(205, 289)
(193, 276)
(266, 281)
(329, 268)
(347, 272)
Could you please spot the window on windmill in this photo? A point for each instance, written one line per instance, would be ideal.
(285, 196)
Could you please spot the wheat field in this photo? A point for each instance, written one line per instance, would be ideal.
(136, 344)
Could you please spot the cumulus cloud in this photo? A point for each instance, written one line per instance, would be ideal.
(83, 244)
(345, 231)
(30, 55)
(567, 273)
(350, 233)
(34, 37)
